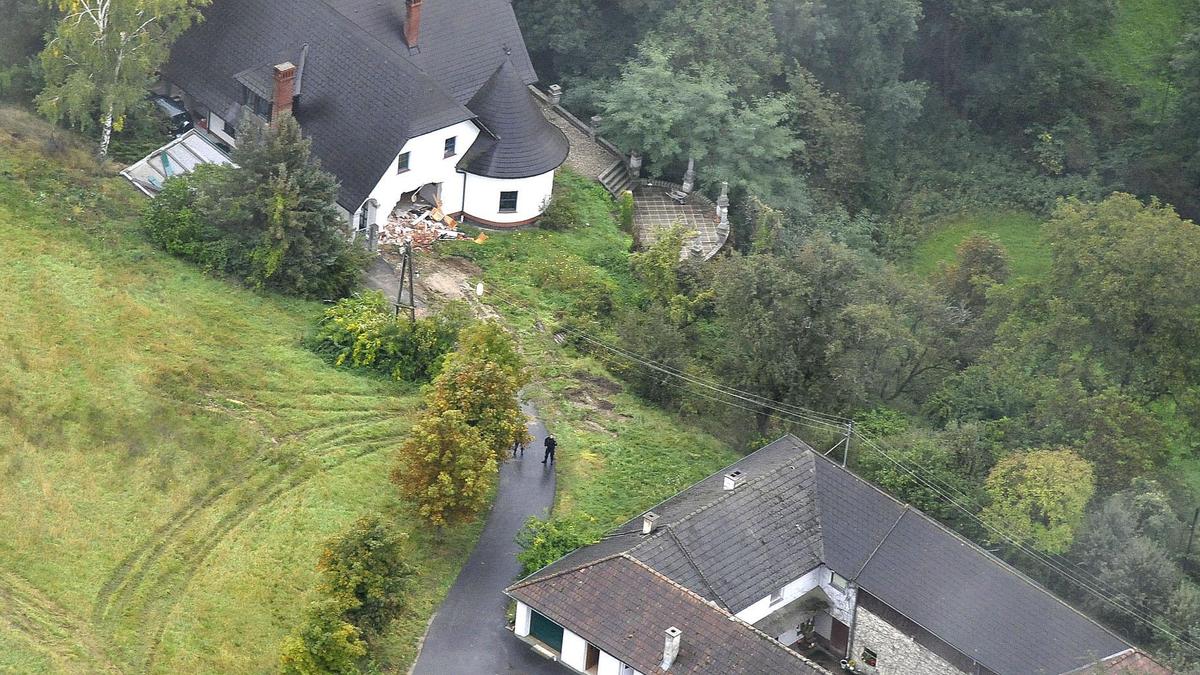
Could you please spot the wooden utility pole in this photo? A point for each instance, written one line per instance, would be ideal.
(1192, 533)
(846, 447)
(407, 269)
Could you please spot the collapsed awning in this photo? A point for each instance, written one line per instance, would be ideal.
(180, 156)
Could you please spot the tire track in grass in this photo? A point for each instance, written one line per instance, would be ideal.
(171, 558)
(59, 633)
(135, 564)
(202, 550)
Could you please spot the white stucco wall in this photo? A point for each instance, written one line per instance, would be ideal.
(574, 650)
(842, 607)
(483, 197)
(524, 617)
(427, 164)
(608, 665)
(898, 654)
(216, 126)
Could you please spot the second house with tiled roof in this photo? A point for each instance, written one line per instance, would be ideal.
(407, 102)
(789, 563)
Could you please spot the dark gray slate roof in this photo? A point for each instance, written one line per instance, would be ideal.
(364, 92)
(796, 510)
(518, 141)
(635, 605)
(462, 42)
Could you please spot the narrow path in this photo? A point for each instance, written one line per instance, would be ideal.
(469, 635)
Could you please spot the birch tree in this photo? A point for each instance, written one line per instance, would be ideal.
(102, 54)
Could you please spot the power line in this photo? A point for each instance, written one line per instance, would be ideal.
(815, 419)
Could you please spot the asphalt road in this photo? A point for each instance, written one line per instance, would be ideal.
(469, 635)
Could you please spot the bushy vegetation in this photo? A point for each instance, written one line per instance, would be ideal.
(362, 332)
(472, 418)
(365, 585)
(270, 220)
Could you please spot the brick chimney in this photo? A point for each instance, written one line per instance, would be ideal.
(285, 90)
(670, 647)
(412, 22)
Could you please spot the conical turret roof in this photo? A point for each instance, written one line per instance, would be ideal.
(520, 142)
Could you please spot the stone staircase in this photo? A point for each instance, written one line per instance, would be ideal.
(616, 178)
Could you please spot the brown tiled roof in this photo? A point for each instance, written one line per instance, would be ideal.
(623, 607)
(1128, 662)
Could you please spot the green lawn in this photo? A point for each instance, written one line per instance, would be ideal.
(1019, 233)
(618, 455)
(171, 457)
(1144, 35)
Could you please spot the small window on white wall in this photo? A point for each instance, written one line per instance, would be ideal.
(402, 164)
(776, 596)
(838, 581)
(870, 658)
(451, 144)
(508, 202)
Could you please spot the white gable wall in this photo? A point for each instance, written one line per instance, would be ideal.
(476, 196)
(427, 164)
(842, 607)
(483, 198)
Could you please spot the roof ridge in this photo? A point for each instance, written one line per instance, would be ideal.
(528, 581)
(728, 494)
(880, 544)
(987, 555)
(733, 617)
(691, 561)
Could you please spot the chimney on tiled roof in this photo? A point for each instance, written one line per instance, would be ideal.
(670, 647)
(412, 22)
(733, 479)
(649, 519)
(285, 90)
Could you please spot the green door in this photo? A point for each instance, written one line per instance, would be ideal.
(546, 630)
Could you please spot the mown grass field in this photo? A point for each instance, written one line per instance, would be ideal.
(617, 454)
(1019, 232)
(171, 458)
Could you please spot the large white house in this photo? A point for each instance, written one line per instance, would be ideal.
(789, 563)
(405, 101)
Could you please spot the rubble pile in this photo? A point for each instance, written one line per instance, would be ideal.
(423, 224)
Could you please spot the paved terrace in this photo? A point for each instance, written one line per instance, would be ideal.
(654, 211)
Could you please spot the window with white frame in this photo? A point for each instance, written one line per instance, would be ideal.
(838, 581)
(508, 202)
(402, 163)
(451, 144)
(776, 596)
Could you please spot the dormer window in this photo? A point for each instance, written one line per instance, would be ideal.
(260, 105)
(450, 146)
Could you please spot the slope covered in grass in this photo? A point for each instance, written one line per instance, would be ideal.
(618, 455)
(171, 457)
(1138, 52)
(1018, 232)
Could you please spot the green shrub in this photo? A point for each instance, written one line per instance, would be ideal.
(325, 643)
(172, 222)
(576, 201)
(363, 332)
(365, 570)
(625, 208)
(544, 541)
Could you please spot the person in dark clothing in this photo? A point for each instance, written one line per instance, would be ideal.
(518, 445)
(551, 444)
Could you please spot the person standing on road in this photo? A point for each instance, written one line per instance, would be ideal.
(551, 444)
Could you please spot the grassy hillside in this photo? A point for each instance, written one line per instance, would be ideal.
(1145, 32)
(1019, 233)
(618, 455)
(171, 459)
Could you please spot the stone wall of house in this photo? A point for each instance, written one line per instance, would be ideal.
(898, 654)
